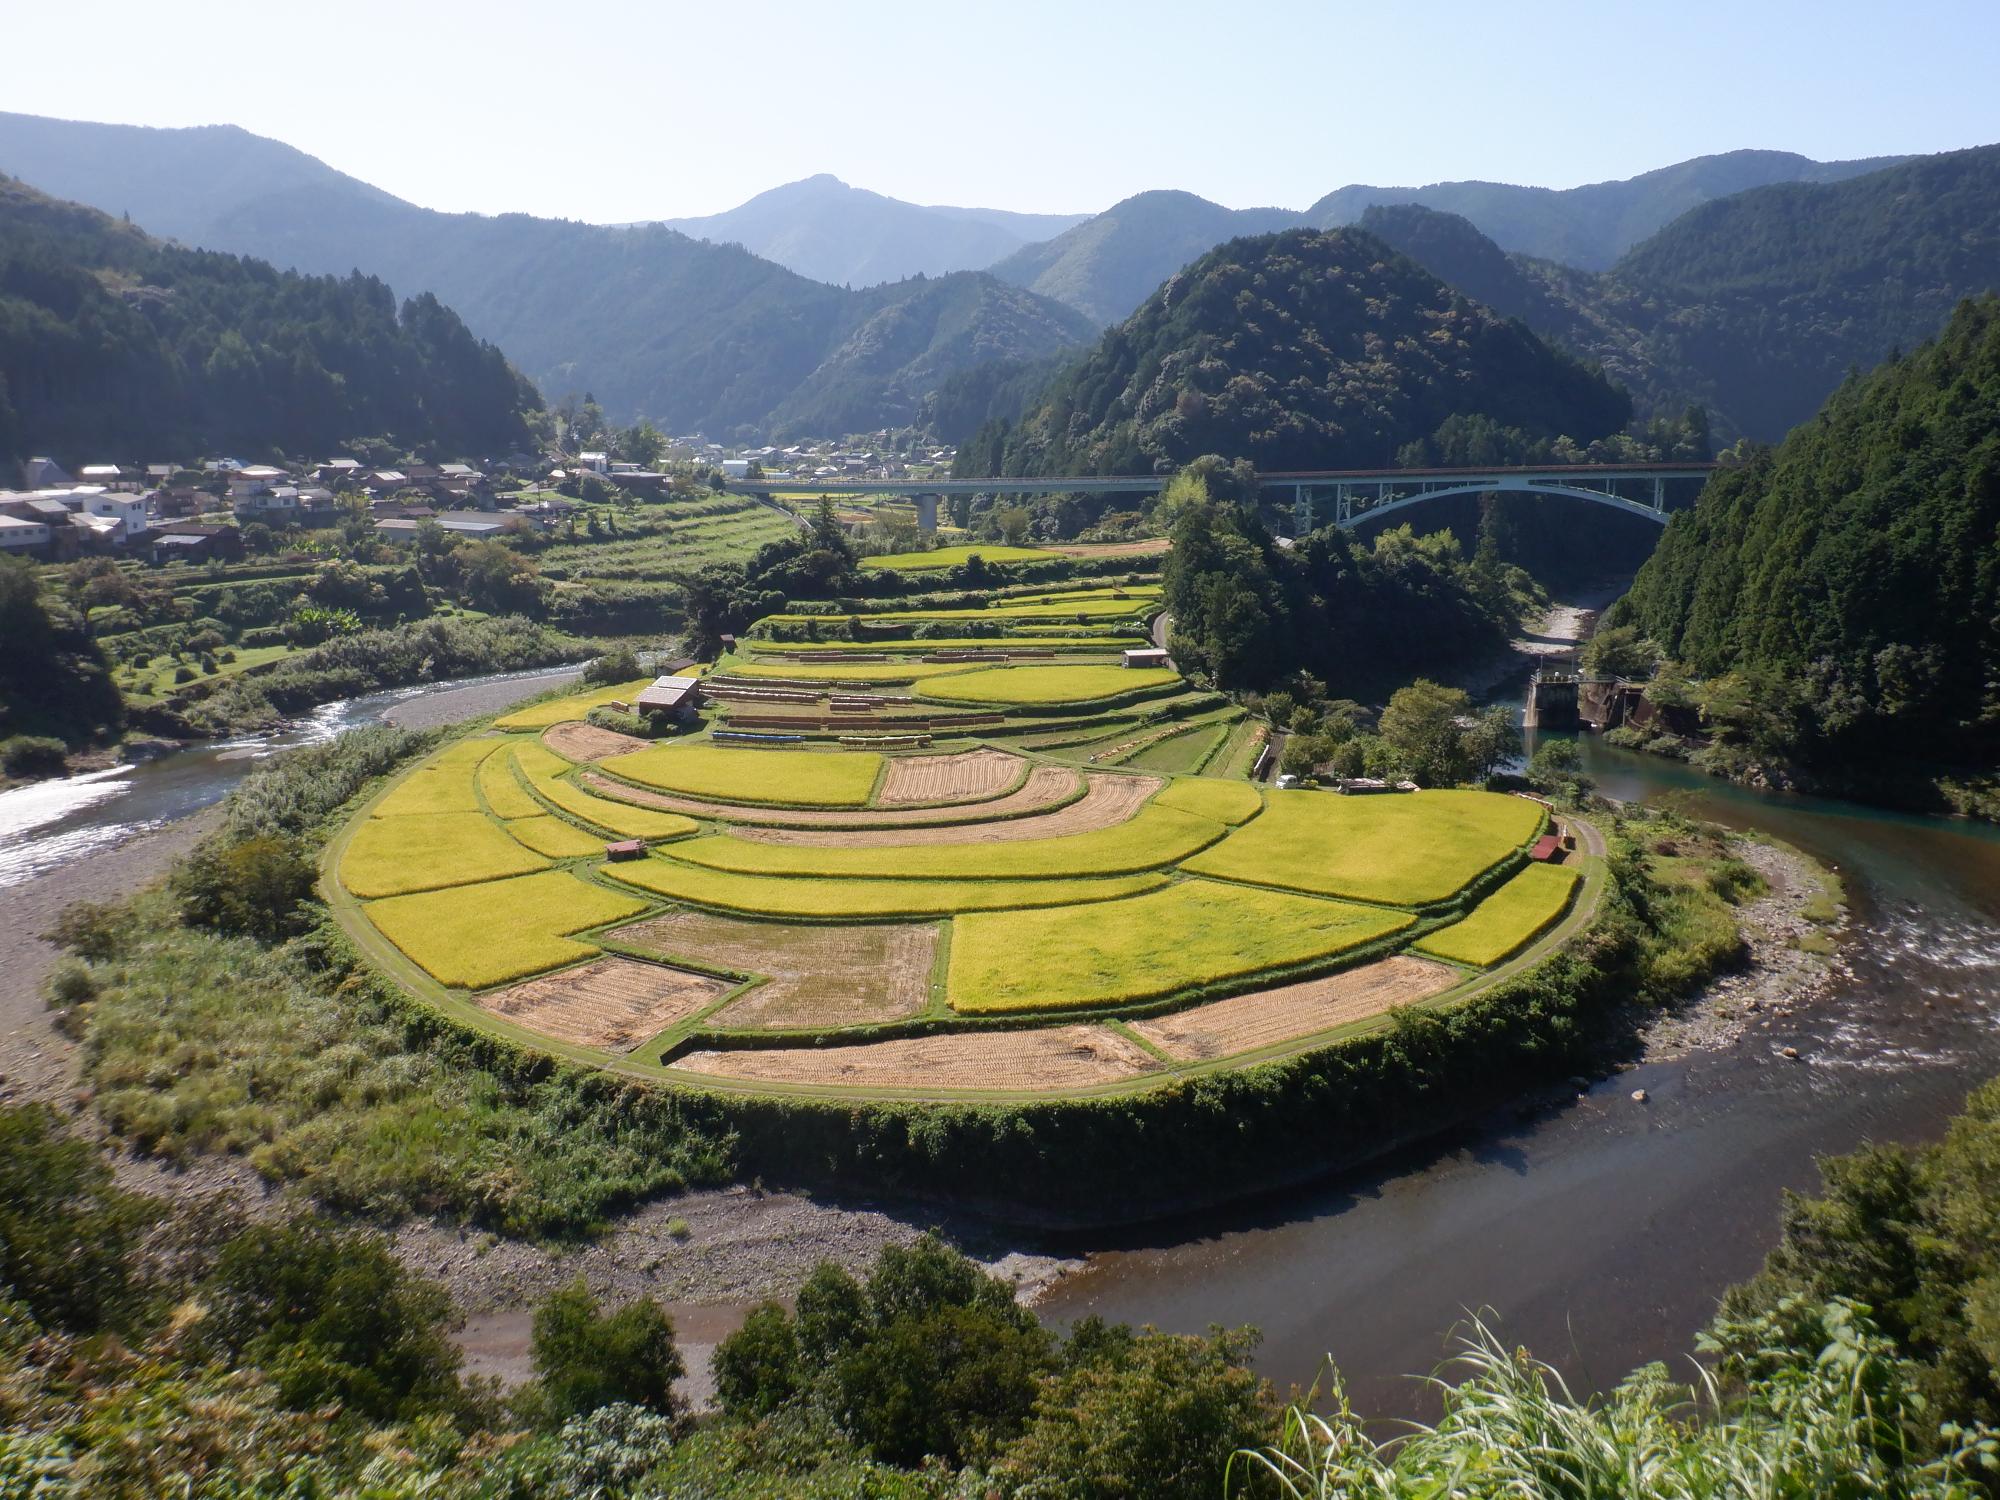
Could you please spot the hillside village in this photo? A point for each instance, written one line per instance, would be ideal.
(204, 510)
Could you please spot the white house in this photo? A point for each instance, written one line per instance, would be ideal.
(128, 511)
(17, 535)
(597, 463)
(736, 468)
(278, 503)
(254, 479)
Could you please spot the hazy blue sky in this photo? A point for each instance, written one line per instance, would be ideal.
(626, 110)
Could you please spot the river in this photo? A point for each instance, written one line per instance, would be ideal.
(1598, 1233)
(51, 823)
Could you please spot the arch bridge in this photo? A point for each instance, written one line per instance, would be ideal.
(1353, 495)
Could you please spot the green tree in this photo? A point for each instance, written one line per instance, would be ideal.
(1156, 1416)
(585, 1358)
(252, 887)
(332, 1317)
(1422, 723)
(757, 1368)
(1620, 651)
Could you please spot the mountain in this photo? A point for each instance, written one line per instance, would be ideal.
(653, 323)
(117, 345)
(1106, 266)
(1852, 575)
(848, 236)
(1752, 306)
(1306, 349)
(1591, 226)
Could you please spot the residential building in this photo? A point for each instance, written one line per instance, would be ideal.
(254, 479)
(126, 511)
(197, 541)
(18, 536)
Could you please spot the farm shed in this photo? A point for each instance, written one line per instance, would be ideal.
(677, 697)
(1548, 849)
(1145, 656)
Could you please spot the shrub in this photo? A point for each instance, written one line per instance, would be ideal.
(585, 1359)
(757, 1368)
(607, 1451)
(334, 1318)
(617, 666)
(32, 755)
(68, 1234)
(637, 725)
(250, 887)
(183, 674)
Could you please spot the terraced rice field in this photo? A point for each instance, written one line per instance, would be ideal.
(574, 706)
(1508, 920)
(768, 896)
(1411, 849)
(1045, 787)
(1194, 933)
(1107, 801)
(969, 776)
(1288, 1012)
(943, 883)
(1034, 685)
(1152, 838)
(587, 742)
(427, 851)
(476, 936)
(614, 1003)
(802, 778)
(814, 975)
(952, 557)
(1059, 1057)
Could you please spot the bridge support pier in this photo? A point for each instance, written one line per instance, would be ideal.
(926, 512)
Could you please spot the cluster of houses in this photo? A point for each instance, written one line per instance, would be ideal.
(141, 510)
(870, 460)
(166, 511)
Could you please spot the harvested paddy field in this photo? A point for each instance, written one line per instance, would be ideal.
(1267, 1018)
(614, 1003)
(815, 976)
(969, 776)
(1058, 1057)
(1046, 787)
(1108, 800)
(586, 742)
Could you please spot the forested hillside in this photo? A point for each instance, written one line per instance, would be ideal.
(113, 344)
(1301, 350)
(1850, 578)
(1752, 306)
(653, 323)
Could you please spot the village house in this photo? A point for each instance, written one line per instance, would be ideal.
(112, 477)
(197, 542)
(18, 536)
(676, 698)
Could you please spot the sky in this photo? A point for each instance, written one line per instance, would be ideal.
(620, 109)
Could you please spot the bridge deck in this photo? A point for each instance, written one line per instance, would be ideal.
(1098, 484)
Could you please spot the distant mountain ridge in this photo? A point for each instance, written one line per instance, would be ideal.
(847, 236)
(1752, 305)
(1107, 265)
(693, 335)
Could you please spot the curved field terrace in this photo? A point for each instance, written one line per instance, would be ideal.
(1027, 907)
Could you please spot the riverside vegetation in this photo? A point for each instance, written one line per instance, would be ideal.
(144, 1350)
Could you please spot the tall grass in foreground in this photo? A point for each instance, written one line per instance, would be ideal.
(1809, 1401)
